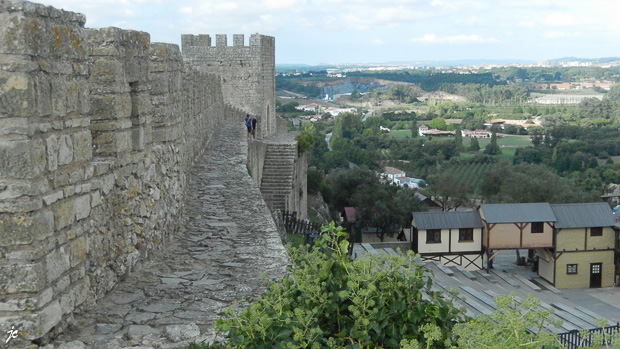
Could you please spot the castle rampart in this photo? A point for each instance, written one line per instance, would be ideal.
(98, 128)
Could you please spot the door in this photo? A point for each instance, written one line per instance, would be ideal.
(595, 274)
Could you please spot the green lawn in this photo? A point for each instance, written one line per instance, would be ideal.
(400, 135)
(509, 141)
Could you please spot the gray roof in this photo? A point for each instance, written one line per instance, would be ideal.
(516, 213)
(594, 214)
(446, 220)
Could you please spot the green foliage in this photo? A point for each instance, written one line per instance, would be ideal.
(330, 301)
(438, 123)
(305, 138)
(492, 148)
(288, 107)
(474, 145)
(510, 326)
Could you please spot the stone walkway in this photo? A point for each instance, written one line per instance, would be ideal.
(227, 242)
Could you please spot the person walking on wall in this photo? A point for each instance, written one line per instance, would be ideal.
(248, 124)
(254, 122)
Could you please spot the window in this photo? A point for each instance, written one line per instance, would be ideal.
(466, 234)
(538, 227)
(596, 231)
(571, 269)
(433, 236)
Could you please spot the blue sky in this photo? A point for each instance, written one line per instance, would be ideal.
(378, 31)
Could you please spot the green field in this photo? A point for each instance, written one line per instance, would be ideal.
(469, 174)
(508, 143)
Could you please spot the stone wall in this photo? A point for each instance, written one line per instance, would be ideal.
(98, 128)
(247, 73)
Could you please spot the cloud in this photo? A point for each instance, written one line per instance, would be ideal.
(560, 20)
(457, 39)
(526, 24)
(556, 34)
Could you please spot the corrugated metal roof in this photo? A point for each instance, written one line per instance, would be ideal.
(594, 214)
(515, 213)
(446, 220)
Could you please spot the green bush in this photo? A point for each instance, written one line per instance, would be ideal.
(328, 300)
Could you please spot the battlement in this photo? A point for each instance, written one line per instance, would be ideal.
(204, 41)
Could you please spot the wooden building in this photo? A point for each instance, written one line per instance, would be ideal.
(452, 238)
(584, 247)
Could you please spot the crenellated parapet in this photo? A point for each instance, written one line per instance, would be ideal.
(247, 72)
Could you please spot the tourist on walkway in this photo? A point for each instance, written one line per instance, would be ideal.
(254, 122)
(248, 124)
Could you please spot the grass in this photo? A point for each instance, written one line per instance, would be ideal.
(296, 240)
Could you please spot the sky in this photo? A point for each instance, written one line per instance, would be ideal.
(378, 31)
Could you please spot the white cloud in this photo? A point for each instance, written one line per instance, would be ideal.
(457, 39)
(526, 24)
(560, 20)
(557, 34)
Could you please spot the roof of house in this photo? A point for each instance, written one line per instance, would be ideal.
(392, 170)
(349, 214)
(516, 213)
(446, 220)
(594, 214)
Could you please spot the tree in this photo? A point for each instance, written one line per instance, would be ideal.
(414, 128)
(474, 145)
(385, 207)
(458, 138)
(305, 138)
(438, 123)
(448, 189)
(492, 148)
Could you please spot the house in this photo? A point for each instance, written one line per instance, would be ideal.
(501, 123)
(430, 204)
(423, 131)
(584, 253)
(573, 245)
(391, 173)
(517, 226)
(408, 182)
(452, 238)
(308, 107)
(477, 134)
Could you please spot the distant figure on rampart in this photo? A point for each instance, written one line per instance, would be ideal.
(248, 124)
(254, 122)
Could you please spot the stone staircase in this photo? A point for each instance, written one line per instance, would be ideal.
(277, 179)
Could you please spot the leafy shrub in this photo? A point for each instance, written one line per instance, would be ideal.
(328, 300)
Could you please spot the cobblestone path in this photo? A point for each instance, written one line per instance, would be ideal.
(227, 242)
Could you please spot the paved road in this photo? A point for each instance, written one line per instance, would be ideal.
(228, 240)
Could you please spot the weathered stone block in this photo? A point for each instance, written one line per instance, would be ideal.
(56, 263)
(23, 277)
(78, 248)
(110, 106)
(22, 159)
(105, 72)
(49, 317)
(109, 143)
(15, 188)
(21, 303)
(64, 214)
(81, 206)
(95, 199)
(82, 146)
(25, 229)
(65, 150)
